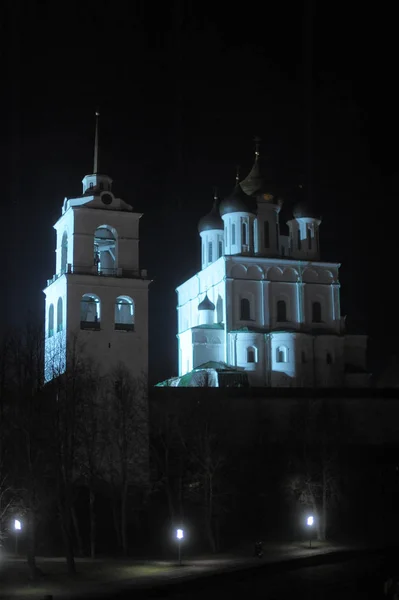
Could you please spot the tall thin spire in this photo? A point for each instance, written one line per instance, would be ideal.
(215, 194)
(257, 141)
(237, 174)
(95, 166)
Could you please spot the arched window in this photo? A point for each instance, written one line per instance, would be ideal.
(105, 250)
(64, 252)
(51, 320)
(124, 314)
(281, 311)
(329, 358)
(266, 234)
(233, 234)
(210, 252)
(316, 312)
(282, 354)
(299, 239)
(245, 309)
(251, 355)
(219, 310)
(220, 244)
(59, 314)
(245, 234)
(90, 312)
(309, 234)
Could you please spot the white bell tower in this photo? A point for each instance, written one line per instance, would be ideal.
(98, 295)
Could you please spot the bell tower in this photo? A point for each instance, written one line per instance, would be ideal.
(98, 294)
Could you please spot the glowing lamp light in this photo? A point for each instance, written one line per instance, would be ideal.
(310, 521)
(179, 534)
(17, 524)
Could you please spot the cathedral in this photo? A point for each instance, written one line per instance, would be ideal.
(98, 294)
(265, 303)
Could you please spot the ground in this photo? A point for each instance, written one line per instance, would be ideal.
(101, 575)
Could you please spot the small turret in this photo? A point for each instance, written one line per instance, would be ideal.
(210, 228)
(304, 228)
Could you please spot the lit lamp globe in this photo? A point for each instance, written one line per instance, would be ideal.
(310, 522)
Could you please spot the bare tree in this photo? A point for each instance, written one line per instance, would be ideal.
(91, 439)
(127, 460)
(313, 476)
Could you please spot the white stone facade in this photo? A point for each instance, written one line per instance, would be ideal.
(98, 294)
(276, 308)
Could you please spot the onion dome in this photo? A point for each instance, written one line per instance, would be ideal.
(303, 208)
(206, 304)
(212, 220)
(238, 201)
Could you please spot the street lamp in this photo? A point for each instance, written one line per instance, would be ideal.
(180, 536)
(17, 527)
(309, 522)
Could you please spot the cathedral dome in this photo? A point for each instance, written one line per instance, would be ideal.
(238, 201)
(206, 304)
(303, 208)
(212, 220)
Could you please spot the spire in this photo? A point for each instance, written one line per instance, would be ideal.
(237, 174)
(215, 194)
(257, 141)
(95, 166)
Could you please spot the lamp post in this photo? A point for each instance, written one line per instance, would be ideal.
(309, 522)
(17, 527)
(180, 536)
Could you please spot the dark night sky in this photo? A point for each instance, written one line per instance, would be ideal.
(182, 90)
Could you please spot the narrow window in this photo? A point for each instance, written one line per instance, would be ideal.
(309, 233)
(233, 234)
(266, 234)
(316, 312)
(329, 358)
(59, 314)
(51, 320)
(281, 311)
(210, 252)
(245, 310)
(90, 312)
(124, 314)
(282, 251)
(64, 252)
(244, 234)
(226, 231)
(251, 355)
(299, 240)
(220, 248)
(277, 237)
(282, 354)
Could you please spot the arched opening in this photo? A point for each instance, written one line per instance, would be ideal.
(59, 314)
(64, 252)
(309, 235)
(245, 310)
(266, 234)
(124, 314)
(219, 310)
(220, 246)
(51, 320)
(316, 312)
(90, 312)
(105, 250)
(282, 354)
(281, 311)
(245, 234)
(251, 355)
